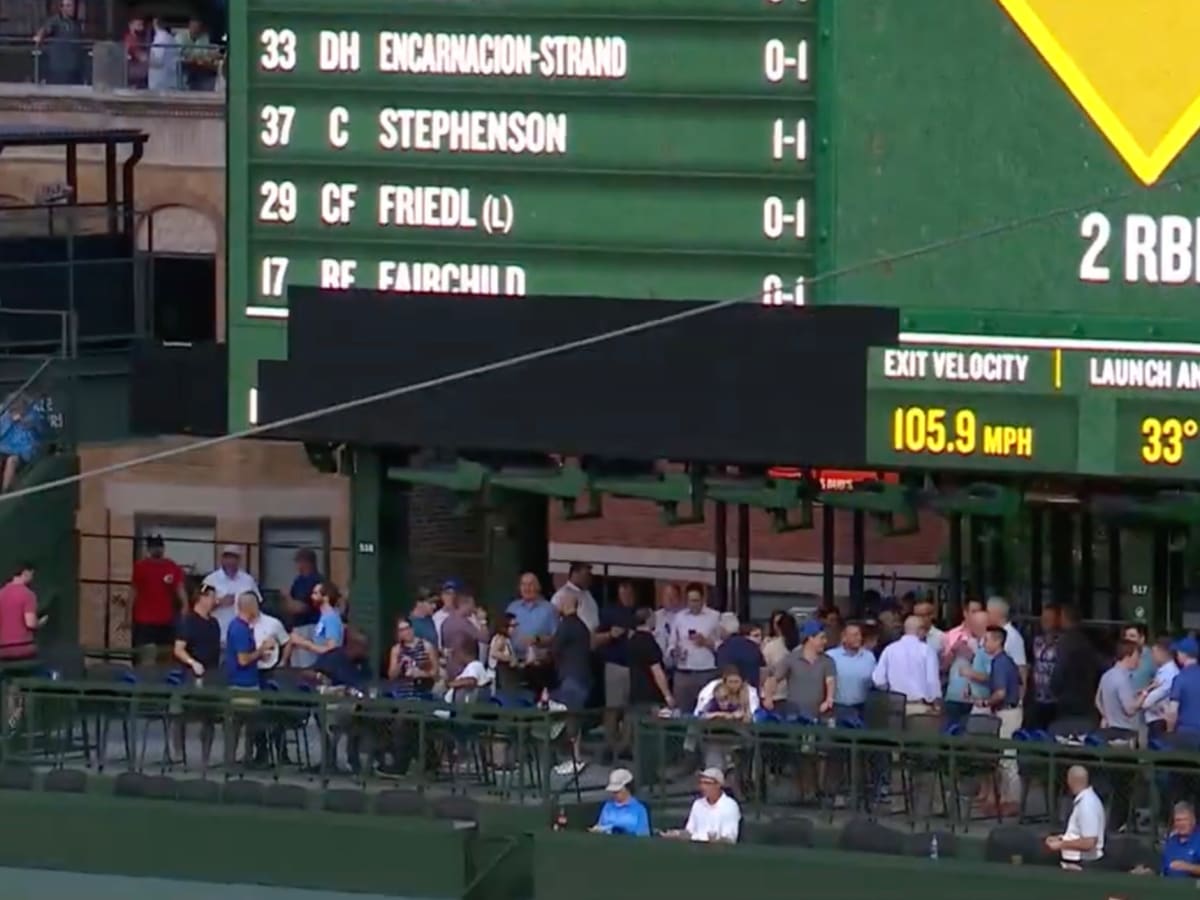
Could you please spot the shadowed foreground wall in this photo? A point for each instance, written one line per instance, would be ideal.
(425, 858)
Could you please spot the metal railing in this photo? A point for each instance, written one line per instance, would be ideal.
(137, 722)
(918, 777)
(109, 64)
(80, 262)
(151, 721)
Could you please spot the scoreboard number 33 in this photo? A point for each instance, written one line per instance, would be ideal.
(278, 49)
(1163, 440)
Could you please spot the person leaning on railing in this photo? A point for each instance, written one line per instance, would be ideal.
(201, 58)
(22, 424)
(63, 53)
(137, 53)
(165, 60)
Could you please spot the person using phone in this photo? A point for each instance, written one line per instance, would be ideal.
(19, 618)
(622, 813)
(694, 637)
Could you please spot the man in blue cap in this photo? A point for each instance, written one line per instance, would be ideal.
(1183, 706)
(809, 672)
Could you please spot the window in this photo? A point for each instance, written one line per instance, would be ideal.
(280, 539)
(191, 542)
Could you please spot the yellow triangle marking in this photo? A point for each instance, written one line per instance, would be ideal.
(1141, 105)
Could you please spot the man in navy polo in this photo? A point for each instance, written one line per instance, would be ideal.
(1181, 849)
(241, 652)
(1183, 705)
(1004, 702)
(241, 669)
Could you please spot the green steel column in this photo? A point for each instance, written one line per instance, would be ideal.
(366, 487)
(954, 564)
(395, 555)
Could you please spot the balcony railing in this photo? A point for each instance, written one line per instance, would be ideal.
(132, 719)
(109, 64)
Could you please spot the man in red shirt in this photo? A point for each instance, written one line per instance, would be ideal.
(19, 616)
(158, 594)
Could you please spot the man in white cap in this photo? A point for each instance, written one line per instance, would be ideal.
(715, 816)
(229, 580)
(622, 813)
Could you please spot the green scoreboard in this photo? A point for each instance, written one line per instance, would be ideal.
(1043, 152)
(1039, 411)
(611, 148)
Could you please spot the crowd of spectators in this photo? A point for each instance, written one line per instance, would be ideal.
(621, 661)
(160, 54)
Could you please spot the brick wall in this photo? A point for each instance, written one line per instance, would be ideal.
(633, 523)
(237, 484)
(446, 539)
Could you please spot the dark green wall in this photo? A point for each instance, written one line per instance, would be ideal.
(291, 848)
(948, 122)
(40, 529)
(591, 867)
(504, 859)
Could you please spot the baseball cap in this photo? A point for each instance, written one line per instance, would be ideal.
(810, 629)
(451, 584)
(1187, 646)
(154, 540)
(618, 780)
(231, 550)
(713, 774)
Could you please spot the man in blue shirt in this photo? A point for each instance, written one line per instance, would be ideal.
(535, 615)
(241, 669)
(854, 666)
(536, 621)
(1181, 849)
(1183, 706)
(329, 631)
(241, 653)
(1154, 698)
(1004, 702)
(421, 619)
(741, 648)
(622, 813)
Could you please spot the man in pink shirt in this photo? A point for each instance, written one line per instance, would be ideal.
(960, 632)
(18, 616)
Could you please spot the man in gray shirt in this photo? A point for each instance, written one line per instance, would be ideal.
(60, 39)
(809, 673)
(1116, 699)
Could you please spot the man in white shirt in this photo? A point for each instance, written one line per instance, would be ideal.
(1014, 643)
(1154, 697)
(579, 579)
(715, 816)
(695, 634)
(934, 636)
(909, 666)
(228, 581)
(267, 626)
(1082, 844)
(670, 603)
